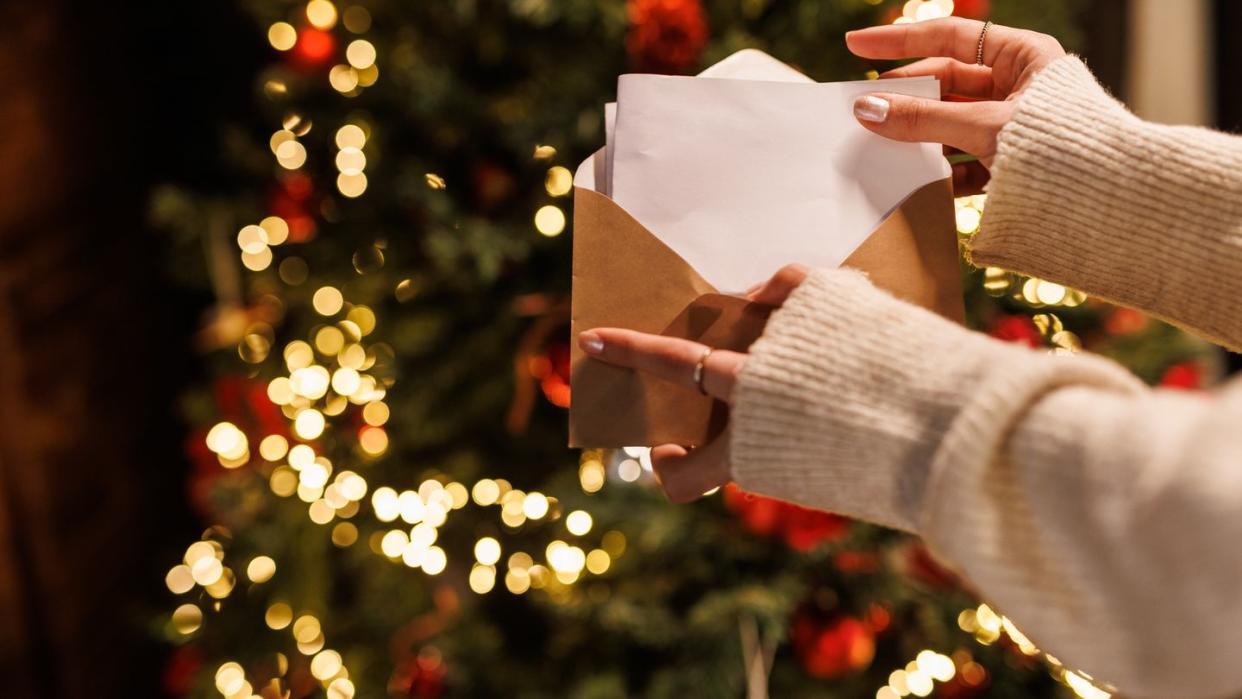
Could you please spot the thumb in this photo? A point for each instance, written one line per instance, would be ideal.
(968, 126)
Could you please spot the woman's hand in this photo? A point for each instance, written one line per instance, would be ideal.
(687, 474)
(948, 47)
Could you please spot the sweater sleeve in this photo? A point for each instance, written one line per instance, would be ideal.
(1098, 514)
(1085, 194)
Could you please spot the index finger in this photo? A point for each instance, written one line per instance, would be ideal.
(951, 37)
(670, 358)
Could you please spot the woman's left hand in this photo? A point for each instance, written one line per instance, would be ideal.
(686, 474)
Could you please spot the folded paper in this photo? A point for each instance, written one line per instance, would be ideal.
(628, 275)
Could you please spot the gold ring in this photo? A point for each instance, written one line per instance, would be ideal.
(982, 36)
(698, 370)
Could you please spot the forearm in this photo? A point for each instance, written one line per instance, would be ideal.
(1088, 195)
(1100, 516)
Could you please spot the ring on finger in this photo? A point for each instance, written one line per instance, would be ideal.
(698, 370)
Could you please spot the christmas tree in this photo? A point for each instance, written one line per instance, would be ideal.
(388, 505)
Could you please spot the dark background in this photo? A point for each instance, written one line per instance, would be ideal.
(98, 103)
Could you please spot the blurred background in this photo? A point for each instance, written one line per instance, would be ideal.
(284, 305)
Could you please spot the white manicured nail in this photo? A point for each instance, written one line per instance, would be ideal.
(591, 343)
(871, 108)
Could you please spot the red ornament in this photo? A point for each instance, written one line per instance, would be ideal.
(178, 676)
(420, 678)
(1123, 321)
(1187, 376)
(976, 9)
(801, 528)
(292, 201)
(666, 36)
(314, 47)
(1018, 329)
(552, 370)
(840, 647)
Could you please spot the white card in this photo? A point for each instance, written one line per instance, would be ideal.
(741, 177)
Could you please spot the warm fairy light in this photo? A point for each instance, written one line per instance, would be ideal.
(325, 665)
(938, 667)
(550, 220)
(284, 481)
(487, 551)
(353, 486)
(598, 561)
(298, 355)
(351, 185)
(485, 492)
(614, 543)
(291, 155)
(411, 507)
(1083, 687)
(458, 495)
(351, 161)
(350, 136)
(273, 447)
(578, 522)
(277, 229)
(278, 616)
(373, 440)
(187, 619)
(258, 261)
(535, 505)
(301, 456)
(179, 580)
(282, 36)
(311, 382)
(375, 413)
(346, 381)
(352, 357)
(309, 424)
(279, 138)
(230, 679)
(591, 475)
(261, 569)
(384, 503)
(327, 301)
(968, 220)
(435, 181)
(434, 561)
(306, 629)
(252, 239)
(314, 475)
(223, 585)
(321, 14)
(482, 578)
(544, 152)
(227, 441)
(329, 340)
(360, 53)
(341, 688)
(629, 470)
(517, 581)
(344, 534)
(343, 78)
(558, 181)
(206, 570)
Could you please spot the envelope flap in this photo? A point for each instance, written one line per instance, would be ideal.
(913, 253)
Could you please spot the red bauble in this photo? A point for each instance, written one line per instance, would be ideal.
(977, 9)
(805, 529)
(314, 47)
(178, 676)
(841, 646)
(1015, 328)
(1185, 375)
(801, 528)
(666, 36)
(1124, 321)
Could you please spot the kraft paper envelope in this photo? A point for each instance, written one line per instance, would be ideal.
(626, 276)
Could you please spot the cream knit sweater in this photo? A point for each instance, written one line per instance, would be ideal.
(1103, 517)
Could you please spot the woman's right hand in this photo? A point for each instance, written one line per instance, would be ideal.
(948, 47)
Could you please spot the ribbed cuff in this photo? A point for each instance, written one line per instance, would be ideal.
(846, 397)
(1086, 194)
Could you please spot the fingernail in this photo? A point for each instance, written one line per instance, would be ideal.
(871, 108)
(590, 342)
